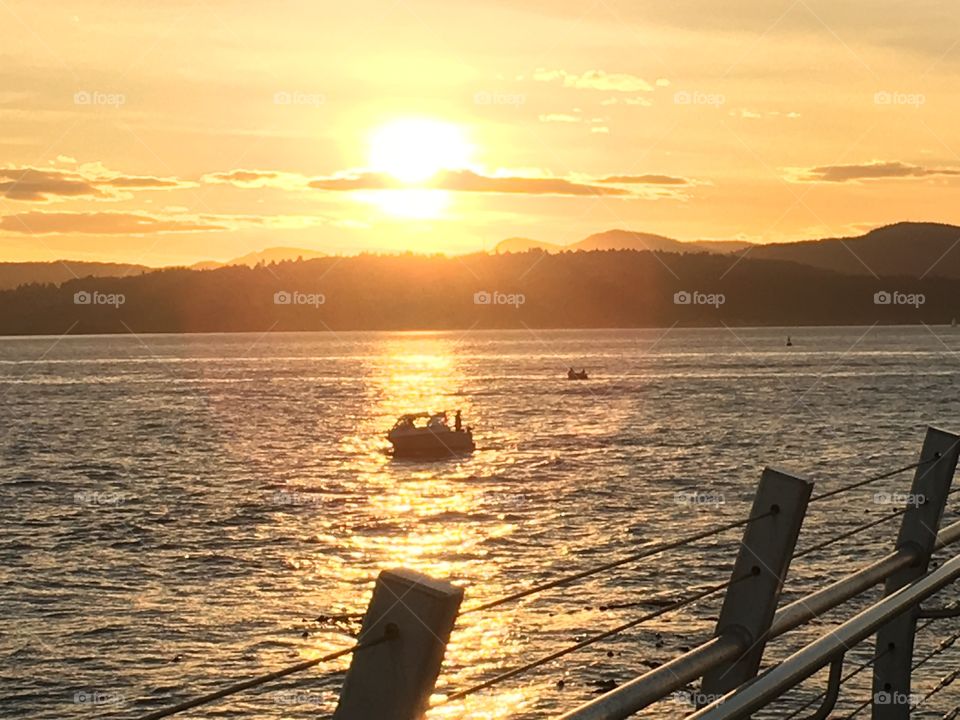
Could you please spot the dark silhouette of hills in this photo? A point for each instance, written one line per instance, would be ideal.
(21, 273)
(410, 292)
(18, 273)
(269, 255)
(623, 240)
(906, 248)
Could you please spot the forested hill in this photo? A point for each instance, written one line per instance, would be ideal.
(522, 290)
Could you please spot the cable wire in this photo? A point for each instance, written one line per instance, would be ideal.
(850, 533)
(389, 634)
(590, 641)
(859, 669)
(876, 478)
(925, 625)
(649, 551)
(944, 682)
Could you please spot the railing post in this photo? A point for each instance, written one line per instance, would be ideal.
(394, 680)
(918, 532)
(764, 557)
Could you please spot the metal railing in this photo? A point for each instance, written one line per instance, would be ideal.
(410, 617)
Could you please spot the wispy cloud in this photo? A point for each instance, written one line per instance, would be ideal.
(99, 223)
(42, 185)
(645, 180)
(596, 80)
(469, 181)
(868, 171)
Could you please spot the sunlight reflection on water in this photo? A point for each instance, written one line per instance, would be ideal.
(254, 494)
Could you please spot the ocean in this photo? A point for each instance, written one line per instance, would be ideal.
(185, 511)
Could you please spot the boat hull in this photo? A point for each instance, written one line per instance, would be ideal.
(431, 444)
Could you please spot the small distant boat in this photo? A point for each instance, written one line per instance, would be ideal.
(789, 341)
(574, 375)
(434, 439)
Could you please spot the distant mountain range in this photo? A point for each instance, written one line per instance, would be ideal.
(623, 240)
(605, 289)
(13, 274)
(914, 249)
(270, 255)
(905, 249)
(58, 271)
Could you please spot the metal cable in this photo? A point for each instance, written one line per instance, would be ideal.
(944, 645)
(655, 549)
(859, 669)
(590, 641)
(946, 681)
(859, 709)
(850, 533)
(388, 634)
(925, 625)
(876, 478)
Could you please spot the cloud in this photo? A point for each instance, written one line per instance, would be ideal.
(868, 171)
(258, 179)
(462, 180)
(99, 223)
(645, 180)
(559, 118)
(469, 181)
(92, 181)
(596, 80)
(35, 185)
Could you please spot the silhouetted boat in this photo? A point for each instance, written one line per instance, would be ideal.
(435, 439)
(574, 375)
(789, 341)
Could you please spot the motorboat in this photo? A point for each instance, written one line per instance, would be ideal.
(411, 437)
(574, 375)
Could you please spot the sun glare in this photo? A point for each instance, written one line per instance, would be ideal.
(414, 149)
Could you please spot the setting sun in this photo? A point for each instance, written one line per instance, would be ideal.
(414, 149)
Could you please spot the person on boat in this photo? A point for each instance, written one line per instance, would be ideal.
(457, 422)
(571, 374)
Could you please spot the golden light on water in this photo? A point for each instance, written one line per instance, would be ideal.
(428, 509)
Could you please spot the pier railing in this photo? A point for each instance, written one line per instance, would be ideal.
(399, 651)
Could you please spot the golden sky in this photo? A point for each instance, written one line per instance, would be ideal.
(178, 131)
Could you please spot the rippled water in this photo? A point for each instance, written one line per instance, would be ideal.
(180, 510)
